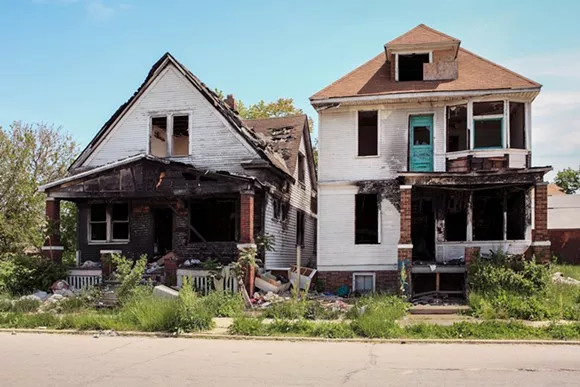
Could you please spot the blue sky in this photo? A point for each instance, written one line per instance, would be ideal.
(73, 62)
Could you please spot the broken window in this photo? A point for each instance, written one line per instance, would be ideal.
(488, 215)
(120, 221)
(457, 134)
(98, 223)
(366, 219)
(300, 224)
(487, 108)
(488, 133)
(517, 125)
(214, 219)
(301, 167)
(411, 66)
(516, 215)
(368, 125)
(277, 207)
(109, 223)
(158, 145)
(456, 217)
(285, 209)
(363, 283)
(421, 135)
(180, 136)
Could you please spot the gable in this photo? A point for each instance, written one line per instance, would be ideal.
(422, 34)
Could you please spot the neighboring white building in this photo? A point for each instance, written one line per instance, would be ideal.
(424, 151)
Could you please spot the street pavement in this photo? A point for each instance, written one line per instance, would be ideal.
(71, 360)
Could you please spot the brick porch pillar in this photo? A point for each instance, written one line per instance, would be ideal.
(405, 247)
(471, 254)
(53, 248)
(540, 237)
(247, 233)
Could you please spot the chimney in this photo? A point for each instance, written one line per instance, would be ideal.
(231, 102)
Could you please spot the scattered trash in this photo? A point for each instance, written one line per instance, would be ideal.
(558, 278)
(267, 282)
(343, 291)
(191, 262)
(306, 275)
(59, 287)
(90, 265)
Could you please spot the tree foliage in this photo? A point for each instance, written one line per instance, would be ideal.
(569, 180)
(30, 155)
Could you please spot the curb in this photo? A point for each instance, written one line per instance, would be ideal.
(210, 336)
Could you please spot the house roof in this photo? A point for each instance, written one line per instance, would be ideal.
(554, 190)
(422, 34)
(474, 73)
(230, 115)
(284, 135)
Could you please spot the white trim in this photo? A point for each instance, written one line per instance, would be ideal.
(489, 117)
(391, 267)
(528, 125)
(378, 133)
(402, 187)
(53, 248)
(506, 126)
(542, 243)
(397, 67)
(108, 225)
(386, 97)
(470, 132)
(405, 246)
(246, 245)
(111, 252)
(366, 274)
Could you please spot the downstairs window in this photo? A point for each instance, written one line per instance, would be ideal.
(109, 223)
(366, 219)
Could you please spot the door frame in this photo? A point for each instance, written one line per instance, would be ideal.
(432, 113)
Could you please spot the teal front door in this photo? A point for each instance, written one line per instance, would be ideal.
(421, 144)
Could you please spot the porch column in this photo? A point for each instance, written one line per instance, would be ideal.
(541, 238)
(405, 247)
(52, 248)
(247, 232)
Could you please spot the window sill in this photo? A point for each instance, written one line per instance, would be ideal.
(95, 243)
(367, 157)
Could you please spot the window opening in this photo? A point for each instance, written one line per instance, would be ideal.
(368, 133)
(366, 219)
(411, 66)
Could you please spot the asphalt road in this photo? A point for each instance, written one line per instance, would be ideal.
(61, 360)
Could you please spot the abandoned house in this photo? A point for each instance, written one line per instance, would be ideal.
(176, 169)
(425, 160)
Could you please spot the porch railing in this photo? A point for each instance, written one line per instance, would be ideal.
(203, 282)
(82, 279)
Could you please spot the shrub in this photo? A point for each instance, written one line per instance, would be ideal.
(22, 274)
(149, 313)
(291, 309)
(376, 316)
(247, 326)
(129, 274)
(286, 327)
(191, 314)
(332, 330)
(222, 304)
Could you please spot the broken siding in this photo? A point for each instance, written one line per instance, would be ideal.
(336, 247)
(338, 144)
(285, 232)
(214, 144)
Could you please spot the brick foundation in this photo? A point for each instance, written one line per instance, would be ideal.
(386, 281)
(471, 253)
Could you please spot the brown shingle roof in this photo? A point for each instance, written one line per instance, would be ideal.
(474, 73)
(422, 34)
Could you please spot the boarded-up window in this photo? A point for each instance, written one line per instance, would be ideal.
(214, 219)
(300, 224)
(517, 125)
(366, 219)
(301, 167)
(488, 133)
(98, 223)
(158, 144)
(457, 135)
(180, 135)
(368, 133)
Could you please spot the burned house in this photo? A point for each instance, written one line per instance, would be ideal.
(176, 169)
(425, 160)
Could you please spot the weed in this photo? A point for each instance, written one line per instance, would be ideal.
(247, 326)
(222, 304)
(192, 316)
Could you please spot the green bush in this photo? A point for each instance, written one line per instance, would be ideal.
(22, 274)
(332, 330)
(291, 309)
(376, 316)
(247, 326)
(149, 313)
(192, 316)
(223, 304)
(129, 274)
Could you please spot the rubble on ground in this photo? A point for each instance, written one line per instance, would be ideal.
(436, 299)
(91, 265)
(559, 278)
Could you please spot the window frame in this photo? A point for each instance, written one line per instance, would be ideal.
(494, 117)
(364, 274)
(169, 115)
(300, 235)
(430, 52)
(301, 169)
(357, 134)
(108, 225)
(379, 222)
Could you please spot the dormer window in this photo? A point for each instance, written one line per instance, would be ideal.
(410, 66)
(169, 135)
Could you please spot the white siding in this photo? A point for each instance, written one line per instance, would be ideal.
(285, 232)
(564, 212)
(336, 247)
(446, 251)
(338, 159)
(215, 145)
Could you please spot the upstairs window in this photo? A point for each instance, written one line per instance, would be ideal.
(457, 134)
(517, 125)
(488, 125)
(366, 219)
(368, 128)
(169, 136)
(301, 168)
(411, 66)
(109, 223)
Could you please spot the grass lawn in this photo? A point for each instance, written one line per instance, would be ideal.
(572, 271)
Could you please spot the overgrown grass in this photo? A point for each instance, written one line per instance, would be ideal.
(298, 309)
(572, 271)
(376, 317)
(222, 304)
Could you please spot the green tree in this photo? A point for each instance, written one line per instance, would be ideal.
(30, 155)
(569, 180)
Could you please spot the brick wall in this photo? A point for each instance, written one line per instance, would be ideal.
(247, 217)
(471, 253)
(566, 245)
(405, 212)
(541, 212)
(385, 281)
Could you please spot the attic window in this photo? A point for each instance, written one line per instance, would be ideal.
(173, 128)
(411, 66)
(301, 168)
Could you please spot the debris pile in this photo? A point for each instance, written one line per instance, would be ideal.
(559, 278)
